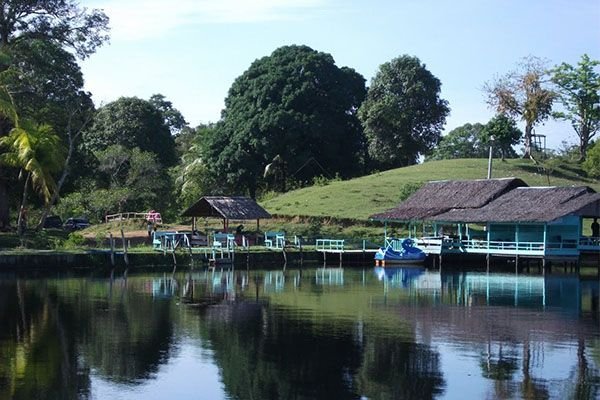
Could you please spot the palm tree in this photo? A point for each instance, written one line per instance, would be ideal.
(38, 152)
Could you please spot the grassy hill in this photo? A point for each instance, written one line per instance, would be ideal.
(358, 198)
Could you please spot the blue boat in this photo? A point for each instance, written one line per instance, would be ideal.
(409, 254)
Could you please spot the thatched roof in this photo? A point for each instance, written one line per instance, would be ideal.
(236, 208)
(531, 204)
(440, 196)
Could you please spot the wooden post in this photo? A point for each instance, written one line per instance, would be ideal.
(112, 249)
(125, 257)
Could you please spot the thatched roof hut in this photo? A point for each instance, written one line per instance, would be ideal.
(530, 204)
(438, 197)
(237, 208)
(227, 208)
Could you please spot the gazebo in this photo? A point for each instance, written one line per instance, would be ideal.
(226, 208)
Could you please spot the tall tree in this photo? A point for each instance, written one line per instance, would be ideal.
(523, 93)
(131, 122)
(295, 103)
(579, 92)
(403, 114)
(61, 22)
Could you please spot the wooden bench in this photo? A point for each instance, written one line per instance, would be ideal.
(274, 240)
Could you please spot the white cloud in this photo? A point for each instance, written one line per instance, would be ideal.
(142, 19)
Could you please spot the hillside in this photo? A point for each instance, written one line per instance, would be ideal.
(358, 198)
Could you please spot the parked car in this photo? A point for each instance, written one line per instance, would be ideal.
(53, 221)
(74, 224)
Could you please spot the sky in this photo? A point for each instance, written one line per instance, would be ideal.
(191, 51)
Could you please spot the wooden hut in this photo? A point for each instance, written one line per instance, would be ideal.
(512, 218)
(226, 208)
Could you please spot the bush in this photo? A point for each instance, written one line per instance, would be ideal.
(75, 240)
(591, 165)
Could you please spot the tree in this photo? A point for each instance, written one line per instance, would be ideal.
(579, 92)
(505, 135)
(172, 117)
(462, 142)
(24, 24)
(295, 103)
(37, 151)
(523, 93)
(59, 21)
(403, 114)
(192, 176)
(131, 122)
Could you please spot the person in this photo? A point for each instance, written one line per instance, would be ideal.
(149, 227)
(595, 228)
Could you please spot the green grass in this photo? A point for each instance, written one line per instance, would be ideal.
(359, 198)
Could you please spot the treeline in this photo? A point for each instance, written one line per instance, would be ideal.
(292, 118)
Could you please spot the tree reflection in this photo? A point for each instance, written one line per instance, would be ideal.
(396, 369)
(127, 336)
(264, 355)
(40, 361)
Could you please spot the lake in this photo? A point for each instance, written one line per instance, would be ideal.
(310, 333)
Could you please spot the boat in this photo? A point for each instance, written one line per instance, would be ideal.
(409, 254)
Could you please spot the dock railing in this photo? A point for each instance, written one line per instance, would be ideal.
(329, 244)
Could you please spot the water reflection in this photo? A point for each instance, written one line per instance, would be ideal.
(388, 333)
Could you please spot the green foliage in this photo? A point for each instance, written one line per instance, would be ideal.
(172, 117)
(579, 93)
(505, 135)
(295, 104)
(127, 180)
(466, 141)
(591, 165)
(408, 189)
(473, 140)
(321, 180)
(131, 122)
(403, 114)
(75, 240)
(191, 176)
(37, 151)
(59, 21)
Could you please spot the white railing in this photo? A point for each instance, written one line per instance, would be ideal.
(329, 244)
(146, 216)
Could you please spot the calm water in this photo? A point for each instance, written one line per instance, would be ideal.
(300, 334)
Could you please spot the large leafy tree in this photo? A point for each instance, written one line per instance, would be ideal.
(403, 114)
(579, 92)
(131, 122)
(33, 36)
(524, 94)
(295, 104)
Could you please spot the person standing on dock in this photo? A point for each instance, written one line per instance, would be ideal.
(595, 228)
